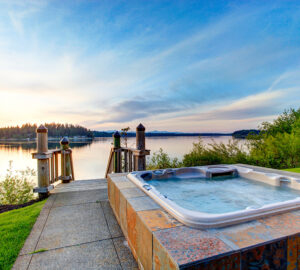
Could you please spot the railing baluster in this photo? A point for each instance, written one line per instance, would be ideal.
(130, 161)
(56, 166)
(133, 159)
(72, 167)
(126, 160)
(119, 161)
(52, 169)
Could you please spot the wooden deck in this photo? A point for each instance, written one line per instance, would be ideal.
(76, 229)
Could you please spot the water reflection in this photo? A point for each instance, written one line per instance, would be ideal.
(90, 158)
(31, 146)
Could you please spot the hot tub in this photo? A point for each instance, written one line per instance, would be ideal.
(217, 196)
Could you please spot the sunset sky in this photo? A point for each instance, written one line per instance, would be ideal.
(197, 66)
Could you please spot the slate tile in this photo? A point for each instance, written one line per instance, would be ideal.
(247, 234)
(143, 203)
(133, 193)
(131, 229)
(161, 258)
(292, 253)
(186, 244)
(272, 256)
(158, 219)
(144, 244)
(230, 262)
(283, 225)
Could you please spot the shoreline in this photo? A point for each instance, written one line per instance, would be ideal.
(87, 139)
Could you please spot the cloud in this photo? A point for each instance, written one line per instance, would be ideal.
(137, 108)
(19, 11)
(246, 112)
(95, 63)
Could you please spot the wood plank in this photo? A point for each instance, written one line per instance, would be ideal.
(56, 165)
(72, 167)
(119, 162)
(52, 177)
(63, 171)
(126, 160)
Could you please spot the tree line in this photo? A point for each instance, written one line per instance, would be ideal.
(54, 130)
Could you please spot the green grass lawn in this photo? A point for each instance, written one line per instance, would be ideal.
(297, 170)
(15, 226)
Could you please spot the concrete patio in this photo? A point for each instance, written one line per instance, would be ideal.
(76, 229)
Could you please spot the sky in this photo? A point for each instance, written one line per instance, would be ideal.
(194, 66)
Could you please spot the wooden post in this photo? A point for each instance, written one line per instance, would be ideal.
(66, 168)
(42, 162)
(117, 153)
(56, 166)
(140, 157)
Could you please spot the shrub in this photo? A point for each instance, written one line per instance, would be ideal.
(284, 123)
(276, 146)
(161, 160)
(215, 153)
(281, 150)
(16, 188)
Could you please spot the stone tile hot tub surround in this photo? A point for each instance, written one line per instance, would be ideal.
(159, 241)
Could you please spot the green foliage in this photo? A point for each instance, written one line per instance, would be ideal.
(215, 153)
(17, 186)
(54, 130)
(161, 160)
(15, 226)
(279, 151)
(276, 146)
(282, 124)
(124, 133)
(242, 134)
(296, 170)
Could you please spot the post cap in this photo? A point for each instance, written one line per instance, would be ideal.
(117, 135)
(140, 127)
(64, 141)
(42, 129)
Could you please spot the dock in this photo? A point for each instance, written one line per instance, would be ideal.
(76, 229)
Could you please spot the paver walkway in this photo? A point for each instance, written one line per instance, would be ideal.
(76, 229)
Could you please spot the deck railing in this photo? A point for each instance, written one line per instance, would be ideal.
(48, 169)
(124, 159)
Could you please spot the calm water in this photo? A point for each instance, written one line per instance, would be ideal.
(90, 159)
(221, 195)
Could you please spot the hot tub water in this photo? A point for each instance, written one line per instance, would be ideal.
(221, 194)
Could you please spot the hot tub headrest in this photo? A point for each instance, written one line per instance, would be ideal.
(214, 171)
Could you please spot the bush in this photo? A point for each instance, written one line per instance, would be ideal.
(161, 160)
(276, 146)
(16, 188)
(284, 123)
(215, 153)
(278, 150)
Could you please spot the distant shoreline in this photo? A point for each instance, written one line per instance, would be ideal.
(131, 135)
(240, 134)
(103, 134)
